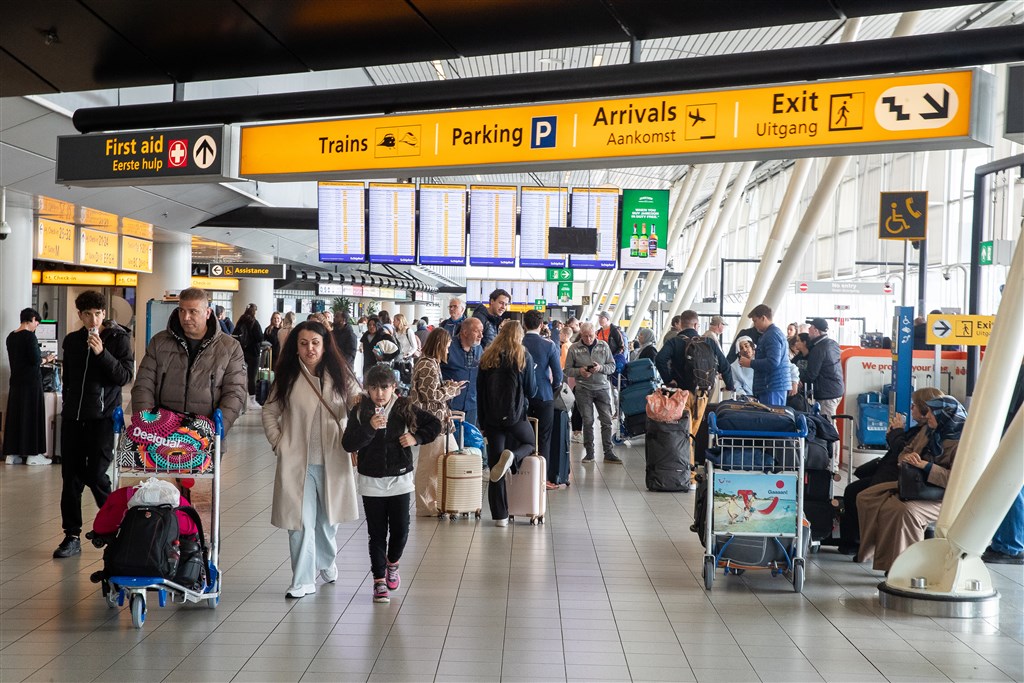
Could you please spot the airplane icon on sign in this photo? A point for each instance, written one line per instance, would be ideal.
(697, 118)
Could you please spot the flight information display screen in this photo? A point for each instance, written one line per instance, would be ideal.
(596, 208)
(541, 209)
(442, 225)
(492, 226)
(341, 222)
(392, 223)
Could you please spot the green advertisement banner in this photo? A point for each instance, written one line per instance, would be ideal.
(644, 230)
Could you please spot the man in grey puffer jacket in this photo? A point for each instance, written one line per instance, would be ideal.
(192, 366)
(590, 362)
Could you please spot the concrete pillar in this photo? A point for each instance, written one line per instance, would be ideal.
(15, 283)
(625, 295)
(259, 291)
(172, 270)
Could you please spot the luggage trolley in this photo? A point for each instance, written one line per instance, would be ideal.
(754, 503)
(118, 589)
(634, 384)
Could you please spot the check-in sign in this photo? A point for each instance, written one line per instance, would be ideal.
(164, 156)
(922, 111)
(963, 330)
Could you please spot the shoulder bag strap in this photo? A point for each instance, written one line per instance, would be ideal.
(321, 397)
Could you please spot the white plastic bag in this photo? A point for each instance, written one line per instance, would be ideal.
(155, 491)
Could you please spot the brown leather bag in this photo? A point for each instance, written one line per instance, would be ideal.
(667, 405)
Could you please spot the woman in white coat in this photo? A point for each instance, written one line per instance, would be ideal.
(304, 419)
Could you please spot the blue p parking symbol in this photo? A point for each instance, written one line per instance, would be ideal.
(544, 131)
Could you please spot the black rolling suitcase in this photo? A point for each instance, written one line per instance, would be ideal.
(558, 451)
(667, 449)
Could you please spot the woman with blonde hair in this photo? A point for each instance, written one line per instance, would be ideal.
(429, 393)
(504, 386)
(286, 327)
(405, 337)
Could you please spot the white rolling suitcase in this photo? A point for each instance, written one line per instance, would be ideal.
(526, 490)
(460, 482)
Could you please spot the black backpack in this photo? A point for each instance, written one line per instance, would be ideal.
(700, 364)
(241, 333)
(616, 340)
(146, 543)
(502, 395)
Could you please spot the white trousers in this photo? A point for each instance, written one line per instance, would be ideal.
(313, 547)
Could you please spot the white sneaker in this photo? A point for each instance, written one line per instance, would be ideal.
(14, 460)
(301, 591)
(503, 466)
(501, 522)
(329, 575)
(38, 460)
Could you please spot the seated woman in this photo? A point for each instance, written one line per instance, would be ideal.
(889, 525)
(743, 378)
(881, 470)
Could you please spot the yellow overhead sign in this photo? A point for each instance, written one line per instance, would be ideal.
(130, 226)
(71, 277)
(98, 248)
(127, 280)
(959, 330)
(932, 110)
(136, 254)
(55, 241)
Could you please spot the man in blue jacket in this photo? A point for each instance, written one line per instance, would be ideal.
(456, 315)
(548, 369)
(770, 361)
(463, 365)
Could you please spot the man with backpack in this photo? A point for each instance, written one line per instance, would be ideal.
(613, 337)
(824, 371)
(249, 334)
(693, 363)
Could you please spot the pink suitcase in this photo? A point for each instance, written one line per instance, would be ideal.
(526, 490)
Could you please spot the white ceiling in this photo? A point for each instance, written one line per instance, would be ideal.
(29, 128)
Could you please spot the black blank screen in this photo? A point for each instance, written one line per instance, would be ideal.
(572, 240)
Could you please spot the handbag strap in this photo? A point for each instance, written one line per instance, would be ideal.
(321, 397)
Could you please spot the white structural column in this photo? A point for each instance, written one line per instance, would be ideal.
(172, 271)
(595, 293)
(781, 231)
(613, 283)
(259, 291)
(684, 204)
(15, 284)
(627, 290)
(986, 477)
(701, 238)
(739, 185)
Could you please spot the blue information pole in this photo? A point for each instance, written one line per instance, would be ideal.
(902, 359)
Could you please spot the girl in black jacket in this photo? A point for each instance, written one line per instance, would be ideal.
(383, 427)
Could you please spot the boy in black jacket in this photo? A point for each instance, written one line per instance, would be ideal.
(98, 361)
(383, 427)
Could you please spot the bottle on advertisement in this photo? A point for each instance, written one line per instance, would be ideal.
(634, 243)
(652, 242)
(642, 246)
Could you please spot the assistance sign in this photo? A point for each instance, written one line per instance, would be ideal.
(921, 111)
(964, 330)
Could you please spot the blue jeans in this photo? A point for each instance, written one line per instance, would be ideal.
(772, 398)
(1009, 537)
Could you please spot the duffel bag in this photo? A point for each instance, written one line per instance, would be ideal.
(633, 399)
(641, 370)
(751, 416)
(744, 458)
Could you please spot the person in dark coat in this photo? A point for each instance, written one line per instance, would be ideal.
(345, 337)
(824, 371)
(25, 420)
(249, 334)
(98, 361)
(548, 371)
(492, 314)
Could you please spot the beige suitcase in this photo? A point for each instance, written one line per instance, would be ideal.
(526, 490)
(460, 483)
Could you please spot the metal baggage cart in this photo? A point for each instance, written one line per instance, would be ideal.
(765, 468)
(134, 589)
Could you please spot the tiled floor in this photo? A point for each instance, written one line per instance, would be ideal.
(608, 589)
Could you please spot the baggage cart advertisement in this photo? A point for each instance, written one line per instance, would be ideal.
(753, 503)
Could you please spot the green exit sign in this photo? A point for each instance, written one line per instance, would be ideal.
(559, 275)
(540, 304)
(985, 259)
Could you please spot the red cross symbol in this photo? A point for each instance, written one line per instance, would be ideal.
(177, 153)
